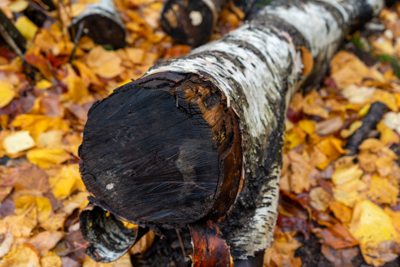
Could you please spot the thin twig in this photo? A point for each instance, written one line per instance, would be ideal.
(76, 41)
(10, 41)
(180, 242)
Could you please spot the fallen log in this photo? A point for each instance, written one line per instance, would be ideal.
(190, 22)
(101, 22)
(200, 137)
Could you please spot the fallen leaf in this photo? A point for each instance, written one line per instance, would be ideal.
(66, 182)
(18, 142)
(45, 241)
(320, 198)
(37, 124)
(329, 126)
(341, 211)
(336, 236)
(6, 241)
(383, 191)
(23, 257)
(7, 93)
(40, 205)
(346, 133)
(307, 59)
(104, 63)
(26, 27)
(51, 259)
(373, 228)
(341, 257)
(46, 158)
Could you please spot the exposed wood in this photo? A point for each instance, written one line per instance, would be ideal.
(200, 137)
(191, 21)
(369, 122)
(206, 238)
(102, 23)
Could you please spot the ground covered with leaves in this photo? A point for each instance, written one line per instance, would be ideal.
(337, 207)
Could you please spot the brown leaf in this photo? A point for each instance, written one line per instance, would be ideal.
(45, 241)
(336, 236)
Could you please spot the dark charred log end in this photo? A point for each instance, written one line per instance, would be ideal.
(108, 237)
(209, 247)
(148, 157)
(188, 22)
(103, 28)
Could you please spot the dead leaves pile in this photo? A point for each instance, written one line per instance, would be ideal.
(42, 115)
(350, 203)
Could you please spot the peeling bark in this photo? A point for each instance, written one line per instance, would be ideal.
(225, 164)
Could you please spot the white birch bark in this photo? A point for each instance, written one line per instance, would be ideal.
(258, 68)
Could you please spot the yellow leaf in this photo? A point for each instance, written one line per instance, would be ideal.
(375, 231)
(383, 191)
(86, 73)
(136, 55)
(46, 158)
(18, 6)
(51, 259)
(76, 88)
(347, 175)
(22, 257)
(364, 110)
(124, 261)
(40, 205)
(332, 148)
(345, 133)
(43, 84)
(50, 139)
(341, 211)
(66, 181)
(368, 216)
(295, 137)
(307, 126)
(320, 198)
(387, 136)
(371, 144)
(7, 93)
(104, 63)
(17, 142)
(26, 27)
(37, 124)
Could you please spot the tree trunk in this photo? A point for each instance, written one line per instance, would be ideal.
(200, 137)
(101, 22)
(191, 21)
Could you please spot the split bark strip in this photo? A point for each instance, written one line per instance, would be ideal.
(200, 137)
(102, 23)
(191, 22)
(369, 122)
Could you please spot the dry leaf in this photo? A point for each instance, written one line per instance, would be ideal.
(66, 182)
(22, 257)
(104, 63)
(18, 142)
(45, 241)
(47, 158)
(329, 126)
(7, 93)
(51, 259)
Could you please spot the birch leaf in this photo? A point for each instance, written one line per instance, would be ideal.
(22, 257)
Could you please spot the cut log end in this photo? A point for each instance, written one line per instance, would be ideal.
(189, 22)
(156, 151)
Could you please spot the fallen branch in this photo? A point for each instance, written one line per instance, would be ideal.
(369, 122)
(200, 137)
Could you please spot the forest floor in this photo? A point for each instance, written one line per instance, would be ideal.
(336, 208)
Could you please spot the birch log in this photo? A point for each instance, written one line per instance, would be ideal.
(200, 137)
(101, 22)
(191, 21)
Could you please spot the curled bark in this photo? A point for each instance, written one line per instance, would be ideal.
(191, 22)
(200, 137)
(109, 239)
(101, 22)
